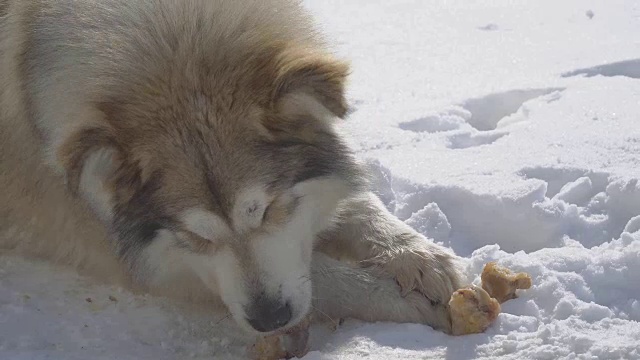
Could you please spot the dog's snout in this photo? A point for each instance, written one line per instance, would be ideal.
(267, 315)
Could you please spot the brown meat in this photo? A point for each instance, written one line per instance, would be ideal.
(472, 310)
(501, 283)
(293, 343)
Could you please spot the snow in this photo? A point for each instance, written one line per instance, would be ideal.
(506, 130)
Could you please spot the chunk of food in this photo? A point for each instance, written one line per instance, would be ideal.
(268, 348)
(292, 343)
(501, 283)
(472, 310)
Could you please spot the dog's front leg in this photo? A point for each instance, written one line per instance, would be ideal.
(368, 233)
(341, 290)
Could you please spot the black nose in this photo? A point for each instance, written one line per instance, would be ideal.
(267, 315)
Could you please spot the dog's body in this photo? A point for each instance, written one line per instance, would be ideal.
(188, 148)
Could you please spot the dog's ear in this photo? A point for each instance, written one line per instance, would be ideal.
(98, 170)
(311, 82)
(79, 147)
(90, 159)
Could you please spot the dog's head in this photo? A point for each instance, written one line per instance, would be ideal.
(232, 169)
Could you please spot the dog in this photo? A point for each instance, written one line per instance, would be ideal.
(189, 148)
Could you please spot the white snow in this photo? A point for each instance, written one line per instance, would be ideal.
(506, 130)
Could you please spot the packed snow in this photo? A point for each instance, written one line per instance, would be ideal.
(506, 130)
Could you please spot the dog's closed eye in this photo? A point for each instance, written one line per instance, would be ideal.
(196, 243)
(280, 210)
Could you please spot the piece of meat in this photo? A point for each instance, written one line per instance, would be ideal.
(292, 343)
(501, 283)
(472, 310)
(268, 348)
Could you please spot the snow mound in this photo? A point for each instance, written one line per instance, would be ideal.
(583, 304)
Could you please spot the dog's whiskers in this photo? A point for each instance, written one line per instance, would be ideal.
(223, 319)
(334, 322)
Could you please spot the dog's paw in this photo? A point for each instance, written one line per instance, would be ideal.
(423, 267)
(437, 316)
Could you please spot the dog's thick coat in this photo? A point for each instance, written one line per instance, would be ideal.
(188, 147)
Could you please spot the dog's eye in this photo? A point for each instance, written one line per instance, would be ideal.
(266, 212)
(280, 210)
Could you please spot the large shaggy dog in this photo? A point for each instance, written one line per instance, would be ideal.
(187, 148)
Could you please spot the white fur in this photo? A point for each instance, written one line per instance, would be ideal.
(222, 274)
(320, 198)
(163, 260)
(300, 103)
(228, 278)
(95, 171)
(283, 256)
(206, 224)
